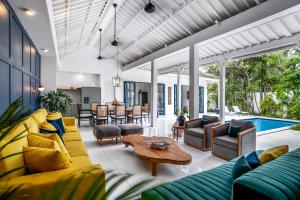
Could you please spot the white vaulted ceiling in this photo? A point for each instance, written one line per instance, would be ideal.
(141, 33)
(76, 21)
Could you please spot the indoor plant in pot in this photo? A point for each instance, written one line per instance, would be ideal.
(180, 117)
(56, 101)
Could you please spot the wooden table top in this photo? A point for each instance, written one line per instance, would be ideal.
(173, 154)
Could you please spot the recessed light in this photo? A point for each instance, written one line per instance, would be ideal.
(28, 12)
(44, 50)
(217, 22)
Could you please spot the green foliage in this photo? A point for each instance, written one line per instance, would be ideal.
(56, 101)
(296, 127)
(277, 73)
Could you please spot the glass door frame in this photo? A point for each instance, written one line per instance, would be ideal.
(126, 92)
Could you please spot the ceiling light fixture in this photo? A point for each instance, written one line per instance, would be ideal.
(115, 43)
(100, 57)
(28, 12)
(44, 50)
(117, 80)
(149, 8)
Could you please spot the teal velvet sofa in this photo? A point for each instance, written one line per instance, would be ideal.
(276, 180)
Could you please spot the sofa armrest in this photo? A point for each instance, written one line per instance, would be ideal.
(69, 121)
(220, 130)
(36, 186)
(247, 141)
(192, 123)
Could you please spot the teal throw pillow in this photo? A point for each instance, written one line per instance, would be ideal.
(234, 130)
(203, 122)
(240, 167)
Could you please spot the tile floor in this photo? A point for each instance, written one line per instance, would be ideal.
(116, 157)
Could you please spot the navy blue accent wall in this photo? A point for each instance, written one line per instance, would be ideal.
(20, 62)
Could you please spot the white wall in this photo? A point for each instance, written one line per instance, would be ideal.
(77, 80)
(48, 72)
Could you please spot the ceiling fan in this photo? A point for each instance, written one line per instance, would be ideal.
(115, 42)
(150, 8)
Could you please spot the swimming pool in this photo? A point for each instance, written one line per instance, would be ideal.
(263, 124)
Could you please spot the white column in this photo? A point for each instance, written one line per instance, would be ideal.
(178, 95)
(222, 65)
(194, 83)
(154, 74)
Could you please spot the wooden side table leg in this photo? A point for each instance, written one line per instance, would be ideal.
(154, 168)
(177, 135)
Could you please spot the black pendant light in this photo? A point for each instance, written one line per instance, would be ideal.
(149, 8)
(115, 43)
(100, 57)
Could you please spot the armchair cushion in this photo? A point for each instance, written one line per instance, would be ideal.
(244, 124)
(196, 132)
(211, 119)
(234, 130)
(226, 141)
(204, 122)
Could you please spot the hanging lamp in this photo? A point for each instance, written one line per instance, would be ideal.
(117, 80)
(100, 57)
(114, 42)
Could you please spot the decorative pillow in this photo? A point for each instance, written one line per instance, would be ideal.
(57, 117)
(36, 141)
(234, 130)
(253, 160)
(240, 167)
(273, 153)
(39, 160)
(52, 127)
(204, 122)
(56, 138)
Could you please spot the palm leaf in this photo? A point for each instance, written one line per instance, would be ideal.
(11, 171)
(134, 190)
(10, 192)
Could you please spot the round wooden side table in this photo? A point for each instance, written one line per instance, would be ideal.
(176, 127)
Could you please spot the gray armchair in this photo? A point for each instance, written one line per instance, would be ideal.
(227, 147)
(198, 137)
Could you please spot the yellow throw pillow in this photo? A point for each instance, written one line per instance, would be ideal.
(36, 141)
(55, 137)
(46, 127)
(273, 153)
(40, 160)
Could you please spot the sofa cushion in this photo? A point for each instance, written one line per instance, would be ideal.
(276, 180)
(39, 117)
(76, 148)
(40, 160)
(31, 125)
(240, 167)
(215, 183)
(226, 141)
(72, 136)
(196, 132)
(16, 161)
(273, 153)
(80, 161)
(55, 138)
(71, 129)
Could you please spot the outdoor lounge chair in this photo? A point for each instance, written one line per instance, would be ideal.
(227, 112)
(226, 147)
(238, 111)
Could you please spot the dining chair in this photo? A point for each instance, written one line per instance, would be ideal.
(119, 115)
(146, 112)
(94, 107)
(111, 108)
(136, 114)
(84, 115)
(101, 114)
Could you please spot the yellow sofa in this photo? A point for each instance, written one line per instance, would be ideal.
(36, 186)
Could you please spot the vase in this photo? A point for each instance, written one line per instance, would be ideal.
(180, 120)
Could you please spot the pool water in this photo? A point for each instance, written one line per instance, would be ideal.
(262, 124)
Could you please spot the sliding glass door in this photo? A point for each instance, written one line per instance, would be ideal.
(129, 93)
(161, 99)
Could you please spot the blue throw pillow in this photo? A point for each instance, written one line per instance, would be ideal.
(60, 123)
(253, 160)
(57, 127)
(234, 130)
(240, 167)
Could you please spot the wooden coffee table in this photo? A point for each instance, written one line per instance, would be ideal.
(173, 154)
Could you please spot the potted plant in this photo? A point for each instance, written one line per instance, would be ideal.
(56, 101)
